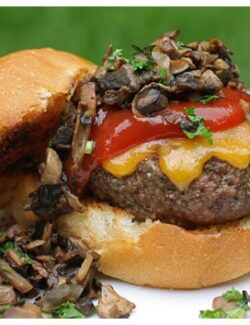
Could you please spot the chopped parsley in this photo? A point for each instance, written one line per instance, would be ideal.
(232, 295)
(116, 54)
(209, 98)
(146, 62)
(6, 246)
(240, 310)
(242, 299)
(199, 128)
(236, 313)
(140, 64)
(142, 60)
(90, 146)
(163, 76)
(67, 310)
(220, 313)
(146, 51)
(217, 313)
(24, 255)
(11, 245)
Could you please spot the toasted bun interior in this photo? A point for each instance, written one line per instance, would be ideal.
(34, 86)
(161, 255)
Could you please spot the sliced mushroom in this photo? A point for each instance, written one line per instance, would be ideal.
(15, 259)
(60, 294)
(221, 302)
(72, 200)
(14, 278)
(181, 65)
(186, 81)
(63, 138)
(162, 59)
(47, 231)
(148, 101)
(167, 44)
(229, 76)
(220, 64)
(116, 79)
(82, 273)
(39, 268)
(111, 305)
(197, 57)
(205, 46)
(85, 306)
(45, 258)
(52, 170)
(46, 236)
(3, 237)
(193, 45)
(87, 108)
(7, 295)
(216, 46)
(48, 202)
(35, 244)
(211, 83)
(24, 311)
(13, 231)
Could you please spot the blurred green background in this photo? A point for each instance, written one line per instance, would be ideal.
(88, 31)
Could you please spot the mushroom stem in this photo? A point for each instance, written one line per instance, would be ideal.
(14, 278)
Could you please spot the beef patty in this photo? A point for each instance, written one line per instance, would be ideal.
(220, 194)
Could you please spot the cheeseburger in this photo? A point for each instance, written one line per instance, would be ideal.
(145, 160)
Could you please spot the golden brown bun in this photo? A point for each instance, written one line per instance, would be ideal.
(161, 255)
(34, 86)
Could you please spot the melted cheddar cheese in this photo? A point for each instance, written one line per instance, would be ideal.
(182, 160)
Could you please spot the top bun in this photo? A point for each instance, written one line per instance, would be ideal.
(34, 87)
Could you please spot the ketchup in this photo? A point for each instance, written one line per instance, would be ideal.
(117, 130)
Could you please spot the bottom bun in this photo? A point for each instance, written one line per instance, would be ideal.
(157, 254)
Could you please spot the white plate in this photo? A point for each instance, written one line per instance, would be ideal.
(178, 305)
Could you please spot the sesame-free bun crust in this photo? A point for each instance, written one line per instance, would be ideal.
(161, 255)
(34, 86)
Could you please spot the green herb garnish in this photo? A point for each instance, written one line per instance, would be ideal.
(24, 255)
(146, 51)
(200, 129)
(142, 59)
(6, 246)
(5, 307)
(209, 98)
(217, 313)
(90, 146)
(11, 245)
(68, 310)
(241, 306)
(145, 62)
(235, 295)
(220, 313)
(116, 54)
(236, 313)
(163, 76)
(232, 295)
(140, 64)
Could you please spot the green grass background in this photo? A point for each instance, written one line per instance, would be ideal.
(88, 31)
